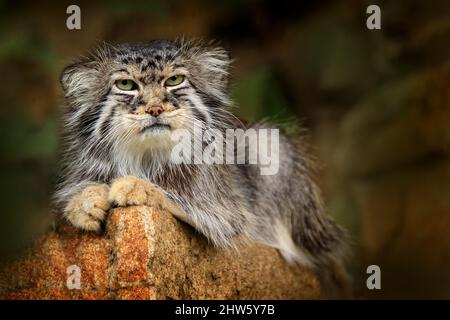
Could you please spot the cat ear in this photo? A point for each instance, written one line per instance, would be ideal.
(215, 63)
(84, 73)
(210, 62)
(78, 77)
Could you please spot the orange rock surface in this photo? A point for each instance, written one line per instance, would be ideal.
(148, 254)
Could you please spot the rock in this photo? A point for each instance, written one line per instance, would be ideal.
(148, 254)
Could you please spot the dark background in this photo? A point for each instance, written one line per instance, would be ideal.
(376, 104)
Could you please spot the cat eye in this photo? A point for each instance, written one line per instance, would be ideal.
(126, 84)
(174, 80)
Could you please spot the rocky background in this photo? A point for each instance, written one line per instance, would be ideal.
(376, 105)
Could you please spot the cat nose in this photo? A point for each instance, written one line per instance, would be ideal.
(154, 110)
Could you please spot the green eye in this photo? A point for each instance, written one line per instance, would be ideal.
(126, 84)
(174, 80)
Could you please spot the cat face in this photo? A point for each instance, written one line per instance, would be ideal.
(133, 96)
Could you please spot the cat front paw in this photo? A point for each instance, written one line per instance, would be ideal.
(132, 191)
(87, 209)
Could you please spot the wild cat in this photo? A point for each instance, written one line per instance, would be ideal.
(123, 103)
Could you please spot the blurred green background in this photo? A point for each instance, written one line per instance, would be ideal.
(376, 105)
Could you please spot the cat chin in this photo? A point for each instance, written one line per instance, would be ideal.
(156, 140)
(159, 131)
